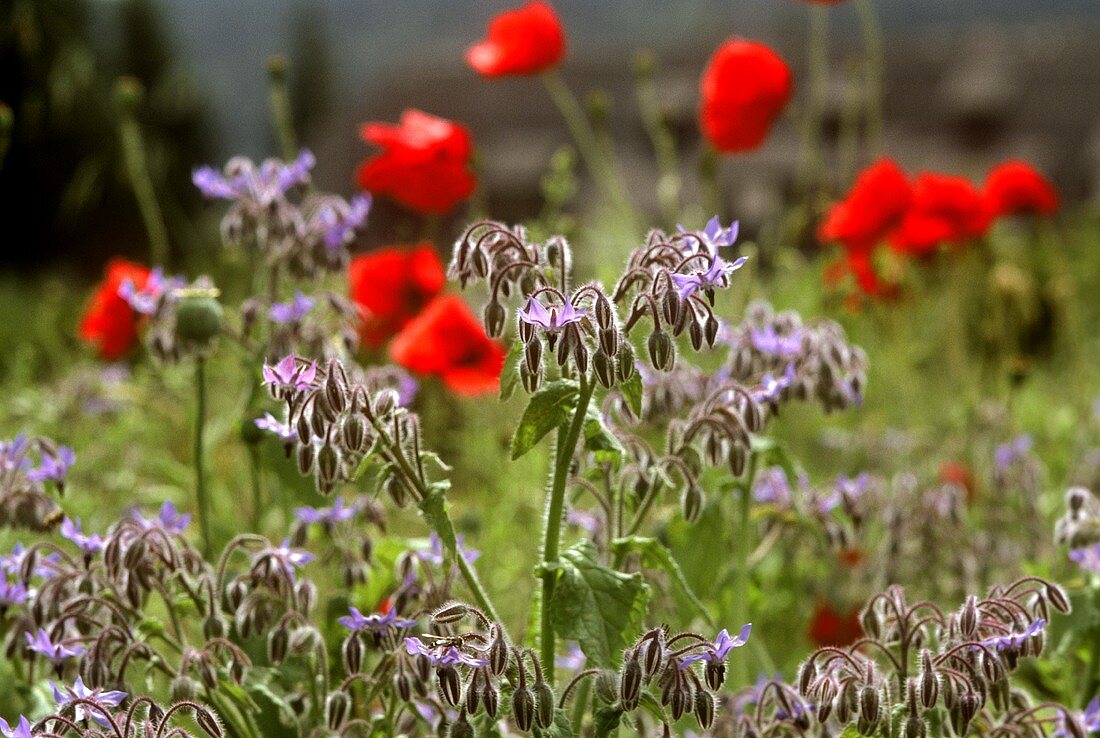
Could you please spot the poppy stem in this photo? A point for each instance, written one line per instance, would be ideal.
(128, 95)
(279, 98)
(584, 136)
(669, 182)
(555, 509)
(872, 44)
(7, 123)
(200, 471)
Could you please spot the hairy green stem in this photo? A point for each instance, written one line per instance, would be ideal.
(255, 477)
(812, 173)
(872, 43)
(279, 99)
(200, 471)
(669, 182)
(744, 549)
(555, 508)
(129, 93)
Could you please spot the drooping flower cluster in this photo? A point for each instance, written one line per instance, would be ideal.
(1079, 528)
(926, 665)
(29, 467)
(97, 713)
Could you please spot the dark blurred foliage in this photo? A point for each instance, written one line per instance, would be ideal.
(63, 186)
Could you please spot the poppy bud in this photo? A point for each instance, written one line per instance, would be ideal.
(523, 708)
(199, 316)
(450, 685)
(494, 317)
(336, 708)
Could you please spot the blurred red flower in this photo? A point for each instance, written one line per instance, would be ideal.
(955, 472)
(945, 210)
(391, 286)
(851, 557)
(527, 40)
(1016, 188)
(744, 88)
(874, 205)
(447, 340)
(109, 323)
(830, 627)
(424, 162)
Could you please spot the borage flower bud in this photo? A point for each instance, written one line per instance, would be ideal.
(277, 643)
(609, 341)
(624, 361)
(929, 681)
(353, 653)
(183, 689)
(450, 685)
(915, 727)
(662, 354)
(461, 728)
(869, 708)
(451, 612)
(603, 368)
(704, 709)
(490, 697)
(544, 705)
(523, 708)
(630, 681)
(737, 458)
(692, 502)
(494, 318)
(532, 355)
(531, 380)
(652, 652)
(337, 707)
(498, 650)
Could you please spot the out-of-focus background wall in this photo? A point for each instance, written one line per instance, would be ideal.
(968, 83)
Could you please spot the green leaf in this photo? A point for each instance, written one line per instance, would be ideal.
(656, 556)
(773, 453)
(599, 440)
(434, 509)
(509, 374)
(605, 721)
(548, 408)
(632, 392)
(600, 608)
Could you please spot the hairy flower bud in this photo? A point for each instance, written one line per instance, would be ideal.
(523, 708)
(662, 354)
(691, 502)
(630, 681)
(498, 651)
(490, 697)
(278, 640)
(625, 361)
(450, 685)
(337, 706)
(353, 653)
(544, 705)
(494, 318)
(451, 612)
(461, 728)
(603, 368)
(704, 709)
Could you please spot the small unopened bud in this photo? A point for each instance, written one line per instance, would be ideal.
(625, 361)
(490, 697)
(353, 653)
(494, 317)
(662, 354)
(277, 642)
(498, 651)
(544, 705)
(630, 682)
(692, 502)
(450, 685)
(603, 368)
(305, 458)
(451, 612)
(337, 707)
(461, 728)
(523, 708)
(704, 709)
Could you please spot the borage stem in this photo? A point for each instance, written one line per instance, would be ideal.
(200, 472)
(555, 508)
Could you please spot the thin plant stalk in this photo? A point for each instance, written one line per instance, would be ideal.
(568, 437)
(875, 65)
(813, 174)
(669, 182)
(199, 460)
(744, 548)
(7, 123)
(128, 95)
(279, 99)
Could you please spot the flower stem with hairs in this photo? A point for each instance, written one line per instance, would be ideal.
(279, 99)
(128, 94)
(200, 471)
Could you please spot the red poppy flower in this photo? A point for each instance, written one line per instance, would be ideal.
(527, 40)
(391, 286)
(954, 472)
(447, 340)
(945, 210)
(851, 557)
(1015, 188)
(424, 163)
(876, 203)
(830, 627)
(744, 88)
(109, 323)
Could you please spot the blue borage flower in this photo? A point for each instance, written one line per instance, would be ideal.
(291, 311)
(283, 430)
(16, 464)
(380, 623)
(1088, 558)
(41, 643)
(146, 300)
(12, 594)
(101, 700)
(552, 320)
(283, 559)
(289, 375)
(441, 655)
(243, 180)
(1007, 453)
(713, 233)
(769, 341)
(22, 730)
(89, 544)
(718, 651)
(13, 562)
(1015, 641)
(716, 275)
(337, 513)
(336, 220)
(434, 554)
(168, 519)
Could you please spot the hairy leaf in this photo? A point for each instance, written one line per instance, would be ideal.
(509, 374)
(548, 408)
(655, 555)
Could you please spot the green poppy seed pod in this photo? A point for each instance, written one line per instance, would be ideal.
(704, 709)
(451, 612)
(630, 681)
(494, 318)
(625, 361)
(692, 502)
(353, 653)
(603, 368)
(498, 651)
(278, 641)
(337, 706)
(450, 685)
(490, 697)
(609, 340)
(199, 316)
(523, 708)
(544, 705)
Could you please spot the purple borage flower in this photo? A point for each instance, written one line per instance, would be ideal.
(13, 563)
(12, 594)
(13, 454)
(288, 375)
(102, 699)
(169, 519)
(1006, 453)
(73, 531)
(1014, 640)
(145, 300)
(22, 730)
(768, 341)
(441, 655)
(282, 430)
(1087, 558)
(552, 320)
(376, 622)
(716, 275)
(717, 652)
(772, 487)
(53, 467)
(338, 513)
(262, 185)
(337, 221)
(1089, 720)
(284, 557)
(55, 652)
(573, 659)
(293, 311)
(434, 553)
(714, 234)
(772, 387)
